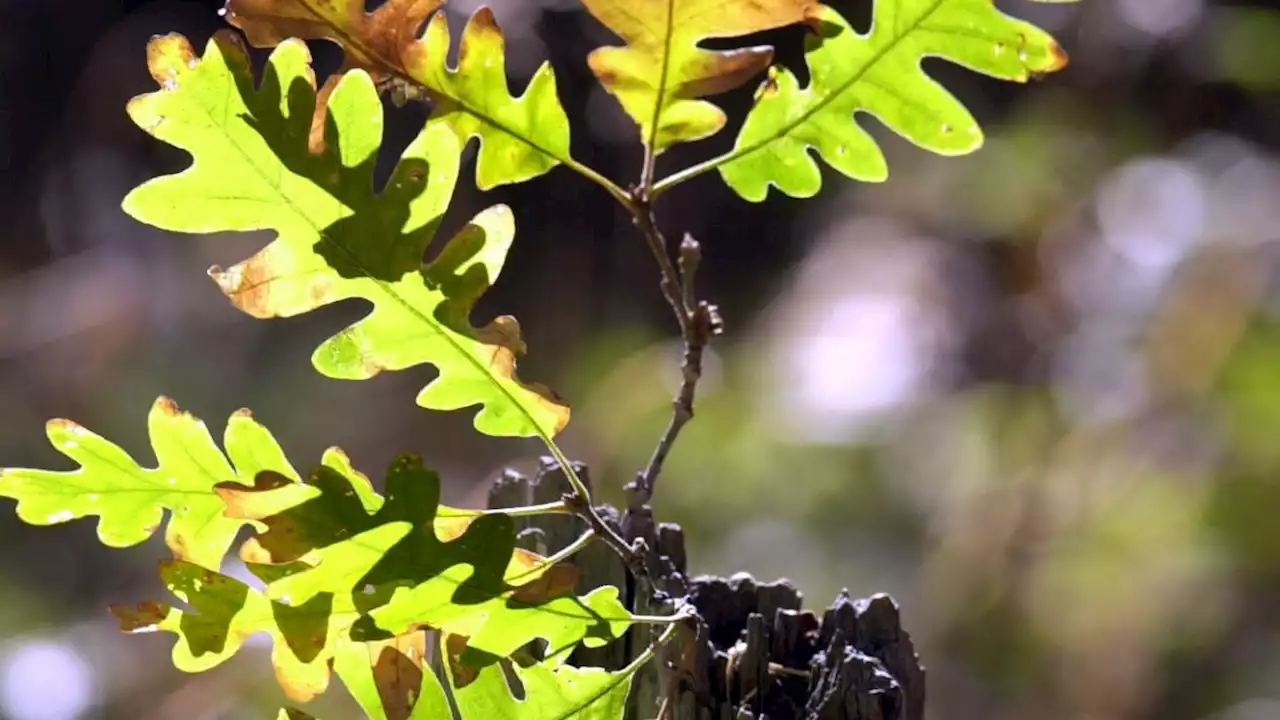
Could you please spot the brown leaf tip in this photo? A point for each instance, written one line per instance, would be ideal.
(168, 57)
(62, 425)
(144, 617)
(1059, 58)
(484, 21)
(167, 406)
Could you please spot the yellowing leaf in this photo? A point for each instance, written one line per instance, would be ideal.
(878, 73)
(521, 137)
(130, 500)
(469, 580)
(551, 691)
(337, 238)
(225, 613)
(382, 677)
(660, 74)
(391, 680)
(308, 523)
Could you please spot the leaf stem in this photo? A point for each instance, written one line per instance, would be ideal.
(552, 508)
(591, 174)
(692, 172)
(551, 560)
(675, 622)
(579, 502)
(655, 619)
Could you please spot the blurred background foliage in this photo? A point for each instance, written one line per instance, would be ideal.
(1034, 393)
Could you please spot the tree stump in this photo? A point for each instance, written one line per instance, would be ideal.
(758, 654)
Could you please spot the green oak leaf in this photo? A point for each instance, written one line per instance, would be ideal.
(390, 679)
(226, 612)
(457, 571)
(338, 239)
(130, 500)
(551, 692)
(499, 626)
(880, 74)
(520, 137)
(390, 683)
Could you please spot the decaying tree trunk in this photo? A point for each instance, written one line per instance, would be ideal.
(758, 655)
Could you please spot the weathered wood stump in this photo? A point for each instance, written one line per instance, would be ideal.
(758, 655)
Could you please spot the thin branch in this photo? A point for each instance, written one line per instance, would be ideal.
(699, 322)
(569, 551)
(642, 216)
(579, 502)
(681, 619)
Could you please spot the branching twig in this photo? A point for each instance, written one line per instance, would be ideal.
(699, 322)
(578, 501)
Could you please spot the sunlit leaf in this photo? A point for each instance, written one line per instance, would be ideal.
(337, 238)
(225, 613)
(521, 137)
(391, 680)
(551, 692)
(130, 500)
(381, 677)
(450, 570)
(880, 74)
(661, 72)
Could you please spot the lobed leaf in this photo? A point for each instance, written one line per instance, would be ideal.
(661, 72)
(130, 500)
(390, 683)
(880, 74)
(332, 550)
(225, 613)
(551, 692)
(390, 679)
(521, 137)
(450, 570)
(337, 238)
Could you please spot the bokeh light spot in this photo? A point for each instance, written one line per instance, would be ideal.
(45, 680)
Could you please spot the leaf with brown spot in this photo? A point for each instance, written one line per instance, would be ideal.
(130, 500)
(225, 613)
(550, 690)
(337, 237)
(454, 570)
(661, 73)
(390, 679)
(381, 675)
(521, 137)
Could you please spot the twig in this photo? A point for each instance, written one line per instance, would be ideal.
(642, 216)
(578, 501)
(699, 322)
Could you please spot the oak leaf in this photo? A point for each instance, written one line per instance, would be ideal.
(130, 500)
(521, 137)
(337, 238)
(878, 73)
(661, 73)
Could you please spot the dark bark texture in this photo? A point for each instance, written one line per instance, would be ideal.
(757, 655)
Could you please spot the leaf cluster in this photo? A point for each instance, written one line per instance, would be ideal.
(349, 580)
